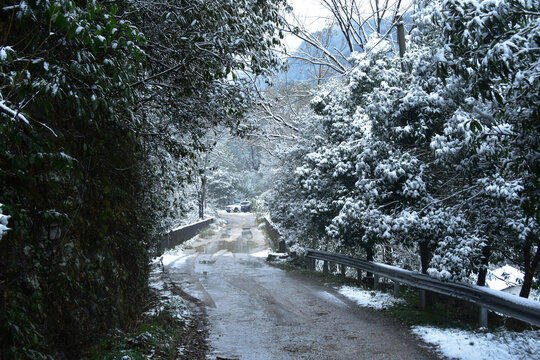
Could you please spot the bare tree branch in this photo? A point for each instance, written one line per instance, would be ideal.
(355, 19)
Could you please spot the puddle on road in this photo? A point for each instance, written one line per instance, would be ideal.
(240, 245)
(250, 263)
(226, 233)
(235, 240)
(246, 233)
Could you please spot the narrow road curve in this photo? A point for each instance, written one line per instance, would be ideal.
(256, 311)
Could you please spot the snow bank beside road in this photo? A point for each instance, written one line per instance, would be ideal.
(467, 345)
(372, 299)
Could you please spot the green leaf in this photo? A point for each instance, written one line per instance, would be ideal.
(61, 21)
(498, 97)
(475, 126)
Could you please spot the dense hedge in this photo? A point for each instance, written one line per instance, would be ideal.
(99, 126)
(74, 261)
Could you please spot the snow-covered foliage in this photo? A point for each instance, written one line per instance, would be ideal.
(456, 257)
(494, 46)
(3, 223)
(439, 158)
(196, 81)
(221, 187)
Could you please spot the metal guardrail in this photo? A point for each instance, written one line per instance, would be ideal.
(487, 299)
(183, 233)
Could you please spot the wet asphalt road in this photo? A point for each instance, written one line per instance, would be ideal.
(257, 311)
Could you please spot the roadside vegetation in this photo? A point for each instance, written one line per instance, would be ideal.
(104, 106)
(170, 327)
(208, 232)
(424, 152)
(154, 335)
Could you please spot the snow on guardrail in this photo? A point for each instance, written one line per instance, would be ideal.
(488, 299)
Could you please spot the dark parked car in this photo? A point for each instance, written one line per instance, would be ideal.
(245, 206)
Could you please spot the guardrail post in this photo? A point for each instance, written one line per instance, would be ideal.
(311, 264)
(343, 270)
(483, 319)
(375, 281)
(369, 279)
(358, 276)
(396, 289)
(325, 267)
(422, 299)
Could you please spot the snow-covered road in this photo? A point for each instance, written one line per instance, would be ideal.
(257, 311)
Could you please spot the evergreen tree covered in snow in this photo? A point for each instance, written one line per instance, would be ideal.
(494, 47)
(441, 157)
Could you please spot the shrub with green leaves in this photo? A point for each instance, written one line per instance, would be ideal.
(71, 261)
(102, 108)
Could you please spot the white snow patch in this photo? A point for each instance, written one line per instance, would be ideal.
(3, 222)
(467, 345)
(158, 285)
(372, 299)
(261, 254)
(167, 300)
(175, 260)
(15, 114)
(504, 277)
(3, 54)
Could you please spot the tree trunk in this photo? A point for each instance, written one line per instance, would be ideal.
(530, 268)
(400, 30)
(369, 257)
(202, 197)
(482, 273)
(370, 254)
(425, 256)
(201, 207)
